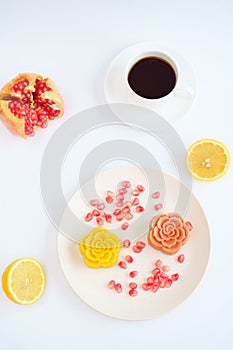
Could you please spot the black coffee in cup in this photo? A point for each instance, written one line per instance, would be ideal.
(152, 77)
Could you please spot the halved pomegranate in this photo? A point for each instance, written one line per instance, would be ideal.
(29, 102)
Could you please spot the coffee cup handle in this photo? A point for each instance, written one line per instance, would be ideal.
(184, 92)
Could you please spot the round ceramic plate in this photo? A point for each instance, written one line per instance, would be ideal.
(91, 284)
(117, 89)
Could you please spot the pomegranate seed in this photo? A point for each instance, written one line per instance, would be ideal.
(88, 217)
(189, 225)
(135, 202)
(126, 210)
(94, 202)
(126, 243)
(128, 216)
(126, 184)
(180, 258)
(95, 212)
(129, 204)
(110, 194)
(118, 288)
(135, 193)
(154, 288)
(119, 197)
(156, 271)
(133, 274)
(168, 283)
(175, 277)
(109, 200)
(101, 206)
(133, 285)
(117, 212)
(133, 293)
(119, 217)
(119, 204)
(156, 195)
(150, 280)
(139, 209)
(165, 268)
(158, 206)
(108, 218)
(162, 283)
(136, 249)
(140, 188)
(140, 244)
(111, 284)
(124, 226)
(99, 221)
(158, 263)
(122, 265)
(146, 286)
(122, 190)
(129, 259)
(163, 275)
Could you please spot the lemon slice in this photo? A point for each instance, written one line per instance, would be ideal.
(208, 160)
(23, 281)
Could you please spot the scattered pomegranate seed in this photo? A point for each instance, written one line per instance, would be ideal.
(162, 283)
(140, 188)
(150, 280)
(119, 197)
(88, 217)
(101, 206)
(175, 277)
(99, 221)
(110, 194)
(129, 259)
(111, 284)
(158, 263)
(133, 293)
(190, 226)
(122, 190)
(95, 212)
(158, 206)
(126, 210)
(154, 288)
(108, 218)
(109, 199)
(163, 275)
(122, 265)
(124, 226)
(135, 193)
(126, 184)
(156, 271)
(128, 216)
(117, 212)
(94, 202)
(133, 274)
(168, 283)
(118, 288)
(140, 244)
(139, 209)
(136, 249)
(135, 202)
(119, 204)
(133, 285)
(180, 258)
(146, 286)
(165, 268)
(156, 195)
(126, 243)
(119, 217)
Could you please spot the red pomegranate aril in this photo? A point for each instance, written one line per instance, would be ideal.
(156, 195)
(140, 244)
(180, 258)
(101, 206)
(122, 265)
(129, 259)
(118, 288)
(146, 286)
(150, 280)
(133, 285)
(128, 204)
(156, 271)
(133, 293)
(99, 221)
(158, 206)
(119, 204)
(168, 283)
(154, 288)
(165, 268)
(189, 225)
(119, 217)
(133, 274)
(128, 216)
(162, 283)
(126, 184)
(119, 197)
(117, 212)
(158, 263)
(111, 284)
(126, 243)
(140, 188)
(175, 277)
(126, 210)
(108, 218)
(136, 249)
(110, 194)
(139, 209)
(95, 212)
(94, 202)
(135, 193)
(135, 202)
(109, 200)
(124, 226)
(163, 275)
(122, 191)
(88, 217)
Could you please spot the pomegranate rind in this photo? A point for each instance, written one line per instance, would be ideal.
(15, 125)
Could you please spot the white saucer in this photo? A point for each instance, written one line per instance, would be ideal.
(172, 107)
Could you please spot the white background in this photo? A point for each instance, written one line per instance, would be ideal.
(73, 42)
